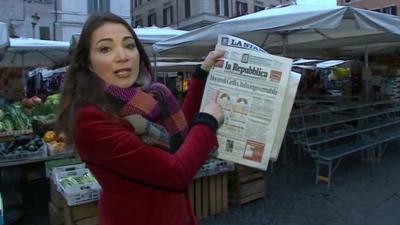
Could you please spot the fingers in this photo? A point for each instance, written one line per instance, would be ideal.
(214, 55)
(216, 94)
(211, 59)
(218, 53)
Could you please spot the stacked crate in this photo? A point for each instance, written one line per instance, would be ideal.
(209, 195)
(246, 184)
(62, 214)
(56, 206)
(85, 214)
(68, 205)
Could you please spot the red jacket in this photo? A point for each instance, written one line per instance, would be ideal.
(141, 184)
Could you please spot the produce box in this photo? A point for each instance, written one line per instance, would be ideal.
(66, 168)
(1, 211)
(61, 163)
(24, 154)
(76, 186)
(58, 148)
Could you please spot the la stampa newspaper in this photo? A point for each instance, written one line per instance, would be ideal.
(256, 90)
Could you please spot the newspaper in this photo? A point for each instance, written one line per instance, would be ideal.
(256, 91)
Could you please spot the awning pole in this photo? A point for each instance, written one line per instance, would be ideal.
(367, 75)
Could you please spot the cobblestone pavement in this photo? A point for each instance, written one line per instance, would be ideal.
(360, 194)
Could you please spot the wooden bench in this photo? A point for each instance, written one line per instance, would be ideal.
(332, 137)
(328, 156)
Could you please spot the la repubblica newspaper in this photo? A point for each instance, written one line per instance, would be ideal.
(256, 90)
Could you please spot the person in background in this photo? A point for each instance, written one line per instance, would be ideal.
(142, 147)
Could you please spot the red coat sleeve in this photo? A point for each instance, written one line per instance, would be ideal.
(192, 102)
(102, 140)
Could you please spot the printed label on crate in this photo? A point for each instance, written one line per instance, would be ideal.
(76, 184)
(15, 132)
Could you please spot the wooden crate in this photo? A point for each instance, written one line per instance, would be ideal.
(85, 214)
(56, 214)
(55, 197)
(209, 195)
(62, 214)
(246, 184)
(56, 206)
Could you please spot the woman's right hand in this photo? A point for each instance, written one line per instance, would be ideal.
(211, 58)
(215, 109)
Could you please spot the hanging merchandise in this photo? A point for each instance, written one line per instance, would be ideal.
(11, 85)
(391, 87)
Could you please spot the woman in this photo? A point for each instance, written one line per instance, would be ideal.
(145, 165)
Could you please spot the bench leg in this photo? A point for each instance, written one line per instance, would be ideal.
(317, 171)
(329, 173)
(322, 177)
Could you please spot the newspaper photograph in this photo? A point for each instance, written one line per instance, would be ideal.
(252, 88)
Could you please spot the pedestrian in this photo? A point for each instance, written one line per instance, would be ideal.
(143, 148)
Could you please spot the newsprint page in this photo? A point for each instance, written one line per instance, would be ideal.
(256, 91)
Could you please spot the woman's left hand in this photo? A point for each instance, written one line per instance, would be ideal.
(210, 60)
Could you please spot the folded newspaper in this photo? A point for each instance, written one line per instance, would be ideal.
(256, 90)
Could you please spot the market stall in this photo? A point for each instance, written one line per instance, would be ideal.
(22, 139)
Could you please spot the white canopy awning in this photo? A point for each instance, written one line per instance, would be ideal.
(3, 39)
(297, 31)
(147, 36)
(28, 52)
(153, 34)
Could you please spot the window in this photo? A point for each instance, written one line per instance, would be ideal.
(376, 10)
(241, 8)
(222, 8)
(187, 8)
(138, 21)
(392, 10)
(347, 1)
(98, 6)
(44, 1)
(138, 3)
(258, 8)
(168, 16)
(152, 19)
(44, 33)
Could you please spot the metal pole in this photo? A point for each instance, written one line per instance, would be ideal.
(33, 31)
(177, 14)
(367, 74)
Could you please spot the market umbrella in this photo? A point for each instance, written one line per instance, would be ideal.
(3, 39)
(147, 36)
(316, 63)
(27, 52)
(150, 35)
(297, 31)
